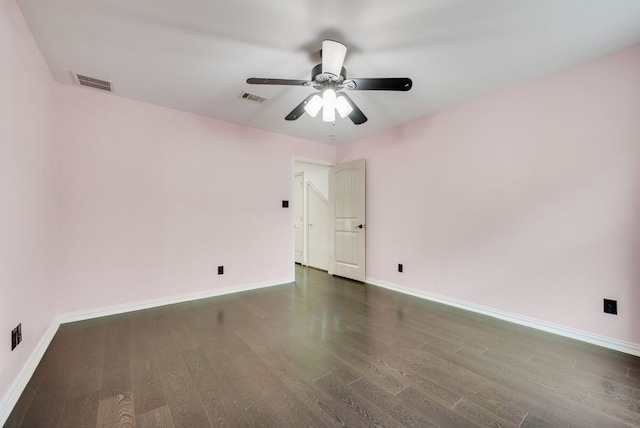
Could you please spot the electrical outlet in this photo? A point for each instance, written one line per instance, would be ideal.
(19, 333)
(611, 306)
(285, 204)
(400, 267)
(15, 337)
(220, 270)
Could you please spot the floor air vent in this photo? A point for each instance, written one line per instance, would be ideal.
(252, 97)
(92, 82)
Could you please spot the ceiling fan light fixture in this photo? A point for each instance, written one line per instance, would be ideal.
(313, 106)
(343, 106)
(333, 54)
(329, 105)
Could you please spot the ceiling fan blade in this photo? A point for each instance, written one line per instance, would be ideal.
(356, 115)
(299, 110)
(265, 81)
(333, 54)
(380, 84)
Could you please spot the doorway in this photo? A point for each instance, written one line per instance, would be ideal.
(311, 214)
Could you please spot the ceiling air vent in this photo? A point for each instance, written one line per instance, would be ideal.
(252, 97)
(92, 82)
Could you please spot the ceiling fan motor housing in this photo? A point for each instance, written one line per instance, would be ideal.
(319, 78)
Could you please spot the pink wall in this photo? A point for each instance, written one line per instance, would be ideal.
(27, 211)
(152, 200)
(526, 201)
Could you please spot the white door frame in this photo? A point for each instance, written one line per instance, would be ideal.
(292, 174)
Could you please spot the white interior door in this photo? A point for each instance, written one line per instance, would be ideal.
(347, 210)
(298, 217)
(318, 226)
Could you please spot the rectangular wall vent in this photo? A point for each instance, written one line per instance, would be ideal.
(252, 97)
(92, 82)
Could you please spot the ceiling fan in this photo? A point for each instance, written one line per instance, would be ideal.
(330, 79)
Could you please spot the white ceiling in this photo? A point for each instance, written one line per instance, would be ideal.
(195, 55)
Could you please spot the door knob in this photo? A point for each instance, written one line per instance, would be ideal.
(361, 226)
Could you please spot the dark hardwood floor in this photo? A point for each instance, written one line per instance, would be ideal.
(322, 352)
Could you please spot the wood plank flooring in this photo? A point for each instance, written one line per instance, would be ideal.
(323, 351)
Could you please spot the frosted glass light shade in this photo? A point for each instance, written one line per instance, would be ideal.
(329, 105)
(313, 106)
(343, 106)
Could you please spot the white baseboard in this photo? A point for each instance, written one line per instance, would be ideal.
(163, 301)
(595, 339)
(19, 384)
